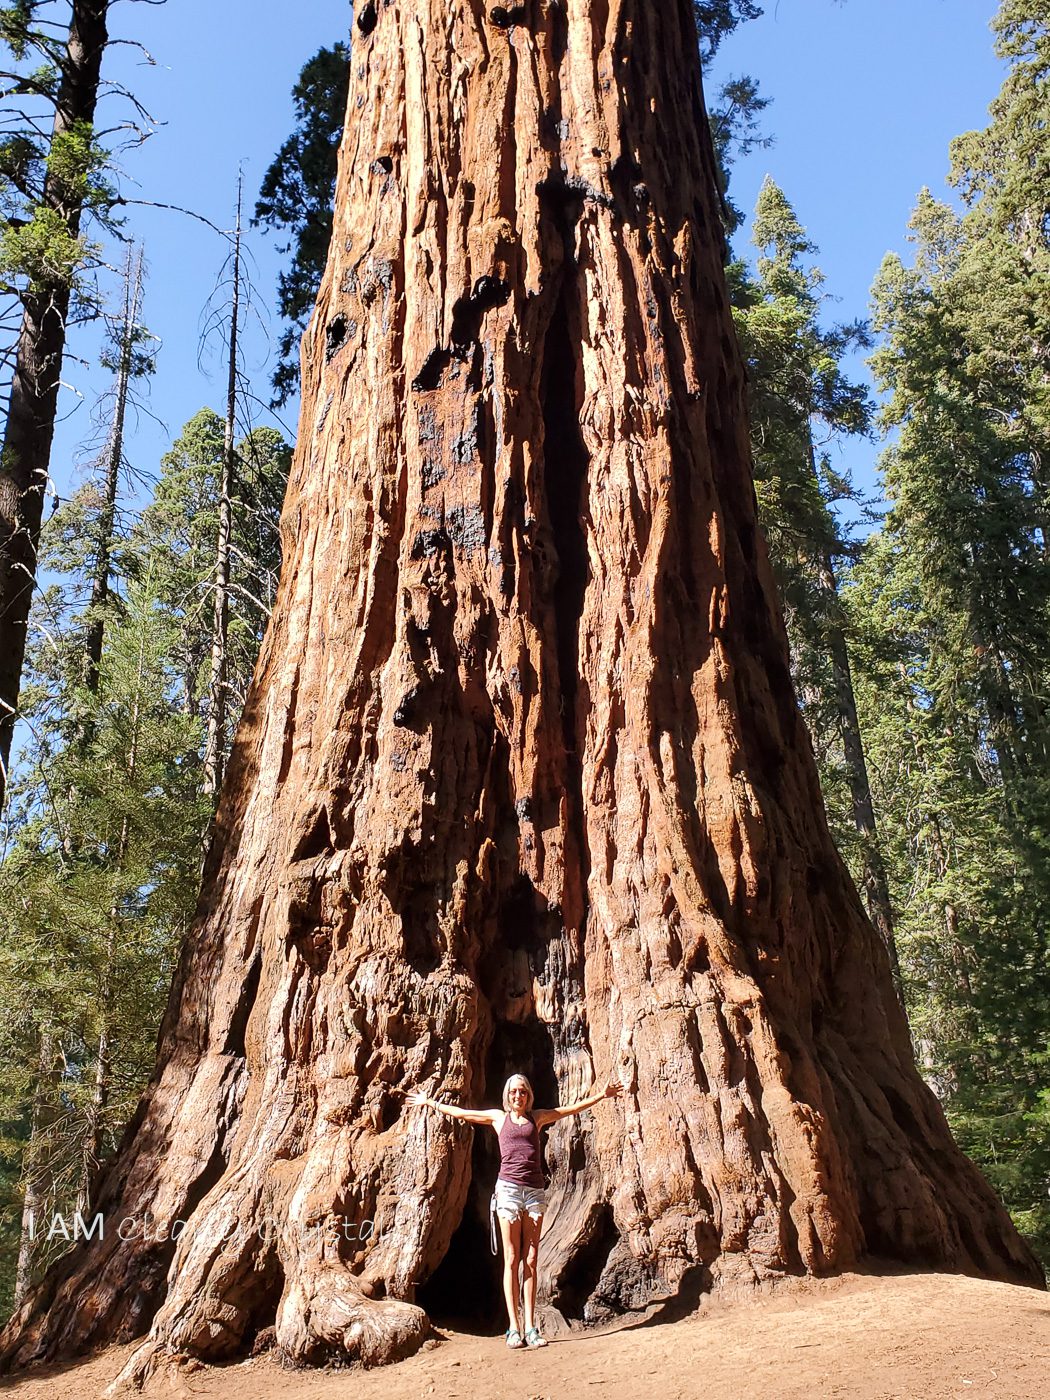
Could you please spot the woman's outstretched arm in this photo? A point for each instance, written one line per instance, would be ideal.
(486, 1116)
(543, 1116)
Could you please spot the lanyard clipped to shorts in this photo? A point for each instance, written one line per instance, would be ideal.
(493, 1230)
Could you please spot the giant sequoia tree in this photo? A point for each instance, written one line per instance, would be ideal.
(521, 782)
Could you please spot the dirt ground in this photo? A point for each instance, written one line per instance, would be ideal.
(901, 1337)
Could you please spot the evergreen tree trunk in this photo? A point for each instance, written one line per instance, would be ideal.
(92, 1149)
(31, 1216)
(26, 453)
(875, 881)
(93, 1137)
(107, 516)
(35, 1199)
(521, 783)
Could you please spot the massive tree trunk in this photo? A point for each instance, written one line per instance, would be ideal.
(521, 783)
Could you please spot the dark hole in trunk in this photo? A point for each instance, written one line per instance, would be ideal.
(466, 1289)
(336, 331)
(565, 481)
(578, 1279)
(565, 476)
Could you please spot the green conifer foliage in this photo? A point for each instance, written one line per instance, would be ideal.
(800, 401)
(96, 888)
(55, 177)
(716, 20)
(99, 875)
(297, 196)
(952, 626)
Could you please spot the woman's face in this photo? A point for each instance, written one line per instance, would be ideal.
(518, 1097)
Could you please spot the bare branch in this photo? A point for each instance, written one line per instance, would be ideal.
(159, 204)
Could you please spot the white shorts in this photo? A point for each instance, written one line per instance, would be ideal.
(513, 1200)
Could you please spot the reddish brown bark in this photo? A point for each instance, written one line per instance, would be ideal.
(521, 782)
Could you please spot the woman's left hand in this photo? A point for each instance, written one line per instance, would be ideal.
(613, 1089)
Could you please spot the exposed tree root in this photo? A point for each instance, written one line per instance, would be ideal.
(325, 1314)
(323, 1317)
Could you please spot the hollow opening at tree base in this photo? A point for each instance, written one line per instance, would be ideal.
(465, 1291)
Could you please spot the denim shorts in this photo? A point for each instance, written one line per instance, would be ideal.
(513, 1200)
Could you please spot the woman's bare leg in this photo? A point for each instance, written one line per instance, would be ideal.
(530, 1248)
(511, 1231)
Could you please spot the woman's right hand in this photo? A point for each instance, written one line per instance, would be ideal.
(418, 1099)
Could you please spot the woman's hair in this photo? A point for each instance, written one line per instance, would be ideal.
(511, 1083)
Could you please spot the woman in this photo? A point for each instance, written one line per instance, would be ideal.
(520, 1191)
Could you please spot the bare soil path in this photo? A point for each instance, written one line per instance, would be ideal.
(858, 1337)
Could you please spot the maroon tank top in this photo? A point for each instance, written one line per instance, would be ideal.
(519, 1153)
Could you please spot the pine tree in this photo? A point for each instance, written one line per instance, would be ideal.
(130, 356)
(717, 19)
(107, 806)
(216, 728)
(971, 924)
(960, 477)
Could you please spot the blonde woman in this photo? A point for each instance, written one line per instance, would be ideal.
(521, 1195)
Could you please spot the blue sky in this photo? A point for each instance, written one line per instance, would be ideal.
(221, 86)
(866, 97)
